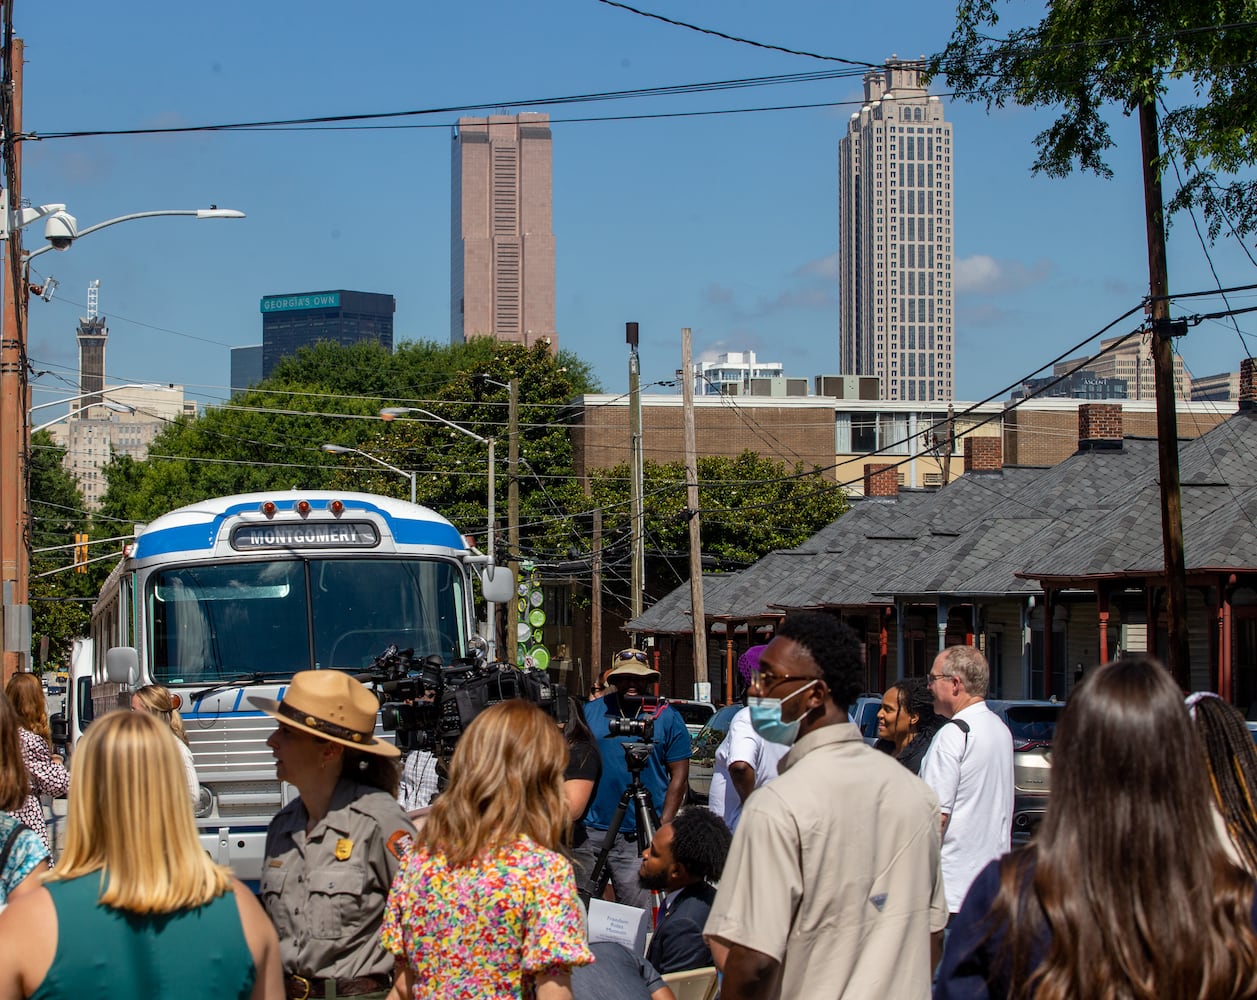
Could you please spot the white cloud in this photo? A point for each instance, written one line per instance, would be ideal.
(985, 275)
(822, 267)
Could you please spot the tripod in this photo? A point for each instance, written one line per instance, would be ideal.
(635, 756)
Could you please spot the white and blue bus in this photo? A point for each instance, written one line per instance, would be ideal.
(230, 597)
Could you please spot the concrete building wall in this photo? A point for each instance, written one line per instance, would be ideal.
(502, 247)
(896, 238)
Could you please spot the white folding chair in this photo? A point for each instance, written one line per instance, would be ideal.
(693, 984)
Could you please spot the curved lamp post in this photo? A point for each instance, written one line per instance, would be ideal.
(340, 449)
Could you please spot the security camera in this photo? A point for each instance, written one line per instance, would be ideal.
(61, 230)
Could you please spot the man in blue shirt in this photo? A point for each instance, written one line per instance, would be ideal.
(665, 775)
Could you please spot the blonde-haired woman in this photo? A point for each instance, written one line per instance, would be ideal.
(486, 907)
(135, 885)
(45, 769)
(156, 700)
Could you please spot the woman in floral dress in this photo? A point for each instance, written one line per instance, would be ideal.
(45, 769)
(486, 907)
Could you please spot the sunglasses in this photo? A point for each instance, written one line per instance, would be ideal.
(632, 654)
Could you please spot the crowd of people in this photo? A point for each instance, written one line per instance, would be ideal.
(820, 866)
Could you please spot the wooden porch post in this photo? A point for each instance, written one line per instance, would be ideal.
(1102, 606)
(1049, 619)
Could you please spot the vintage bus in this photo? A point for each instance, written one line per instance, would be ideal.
(228, 598)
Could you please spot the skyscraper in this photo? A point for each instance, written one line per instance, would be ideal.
(895, 237)
(291, 322)
(501, 235)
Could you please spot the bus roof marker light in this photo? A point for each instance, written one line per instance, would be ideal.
(336, 507)
(303, 507)
(268, 508)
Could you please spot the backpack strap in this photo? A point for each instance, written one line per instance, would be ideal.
(964, 728)
(9, 841)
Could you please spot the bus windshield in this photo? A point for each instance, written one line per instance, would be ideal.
(207, 623)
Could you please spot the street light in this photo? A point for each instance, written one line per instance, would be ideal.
(108, 404)
(340, 449)
(61, 230)
(148, 386)
(392, 412)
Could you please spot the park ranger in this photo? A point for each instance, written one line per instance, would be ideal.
(331, 854)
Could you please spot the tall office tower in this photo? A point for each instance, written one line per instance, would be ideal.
(501, 236)
(895, 237)
(92, 335)
(291, 322)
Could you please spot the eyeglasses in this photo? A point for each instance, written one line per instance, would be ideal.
(932, 678)
(766, 682)
(632, 654)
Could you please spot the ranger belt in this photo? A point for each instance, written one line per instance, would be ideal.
(308, 988)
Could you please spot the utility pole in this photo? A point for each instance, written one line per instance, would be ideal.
(512, 516)
(595, 611)
(14, 522)
(637, 488)
(1167, 419)
(696, 534)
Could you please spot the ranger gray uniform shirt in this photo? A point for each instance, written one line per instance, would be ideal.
(325, 892)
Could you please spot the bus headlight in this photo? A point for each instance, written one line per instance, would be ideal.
(204, 803)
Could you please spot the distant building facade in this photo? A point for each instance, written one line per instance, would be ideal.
(246, 367)
(303, 319)
(895, 239)
(1131, 361)
(1078, 385)
(731, 374)
(1221, 388)
(501, 231)
(91, 439)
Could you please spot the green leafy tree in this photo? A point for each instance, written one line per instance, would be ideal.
(1192, 57)
(59, 596)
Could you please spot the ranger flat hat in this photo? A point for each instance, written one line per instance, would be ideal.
(632, 661)
(331, 705)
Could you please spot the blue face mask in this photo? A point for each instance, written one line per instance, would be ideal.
(766, 718)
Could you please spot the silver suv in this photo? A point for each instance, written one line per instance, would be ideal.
(1032, 724)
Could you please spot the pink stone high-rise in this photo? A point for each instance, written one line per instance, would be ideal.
(501, 235)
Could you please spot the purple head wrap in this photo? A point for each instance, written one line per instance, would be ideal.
(748, 662)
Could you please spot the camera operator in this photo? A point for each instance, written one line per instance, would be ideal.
(665, 774)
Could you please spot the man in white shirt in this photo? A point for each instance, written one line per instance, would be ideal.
(970, 768)
(744, 761)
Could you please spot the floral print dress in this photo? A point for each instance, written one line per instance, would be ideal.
(488, 929)
(47, 778)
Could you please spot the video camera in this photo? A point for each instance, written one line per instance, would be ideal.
(643, 729)
(427, 704)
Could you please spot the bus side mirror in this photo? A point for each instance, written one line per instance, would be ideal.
(497, 584)
(122, 665)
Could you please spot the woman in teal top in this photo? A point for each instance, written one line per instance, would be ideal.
(136, 907)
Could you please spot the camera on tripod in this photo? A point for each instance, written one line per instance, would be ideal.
(643, 729)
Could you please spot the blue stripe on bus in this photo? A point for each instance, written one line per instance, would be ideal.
(192, 537)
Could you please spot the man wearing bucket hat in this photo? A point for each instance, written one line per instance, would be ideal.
(331, 854)
(665, 775)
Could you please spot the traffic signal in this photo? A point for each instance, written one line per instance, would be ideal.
(80, 552)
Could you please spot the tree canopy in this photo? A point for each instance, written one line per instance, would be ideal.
(1192, 57)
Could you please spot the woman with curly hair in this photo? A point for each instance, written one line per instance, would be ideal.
(23, 856)
(486, 907)
(1126, 892)
(907, 722)
(45, 769)
(1232, 760)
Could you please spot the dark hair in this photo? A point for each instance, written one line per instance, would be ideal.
(1232, 761)
(1129, 878)
(14, 779)
(915, 699)
(700, 842)
(576, 729)
(834, 647)
(372, 769)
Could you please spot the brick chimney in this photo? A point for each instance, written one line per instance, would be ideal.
(983, 454)
(881, 480)
(1248, 384)
(1099, 426)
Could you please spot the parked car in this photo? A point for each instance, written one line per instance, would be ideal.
(695, 714)
(703, 759)
(1032, 724)
(864, 714)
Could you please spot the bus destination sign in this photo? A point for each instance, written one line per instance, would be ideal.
(338, 534)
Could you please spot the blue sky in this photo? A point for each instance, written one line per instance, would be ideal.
(726, 224)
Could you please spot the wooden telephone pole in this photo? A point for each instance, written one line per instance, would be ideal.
(696, 521)
(1179, 651)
